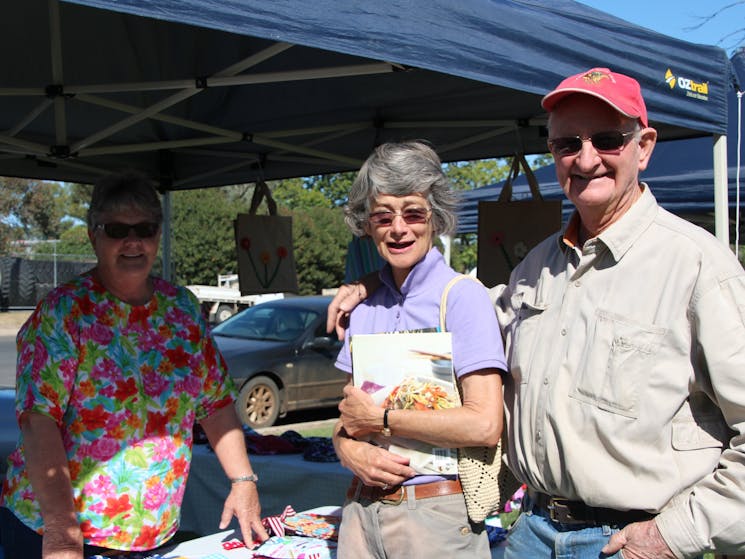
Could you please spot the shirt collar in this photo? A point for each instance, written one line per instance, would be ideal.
(620, 236)
(418, 273)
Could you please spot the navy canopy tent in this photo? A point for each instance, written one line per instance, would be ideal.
(680, 172)
(199, 93)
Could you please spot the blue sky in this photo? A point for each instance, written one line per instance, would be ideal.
(675, 18)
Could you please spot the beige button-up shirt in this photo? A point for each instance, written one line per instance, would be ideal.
(628, 362)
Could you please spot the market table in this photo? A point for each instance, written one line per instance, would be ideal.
(284, 479)
(227, 544)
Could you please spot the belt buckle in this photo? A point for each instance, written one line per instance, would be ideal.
(395, 502)
(558, 511)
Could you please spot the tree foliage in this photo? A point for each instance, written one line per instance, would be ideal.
(38, 207)
(202, 237)
(73, 243)
(320, 240)
(467, 175)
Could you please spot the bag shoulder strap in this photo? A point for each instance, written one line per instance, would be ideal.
(444, 297)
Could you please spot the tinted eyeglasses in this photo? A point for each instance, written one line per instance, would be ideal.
(603, 142)
(143, 229)
(410, 215)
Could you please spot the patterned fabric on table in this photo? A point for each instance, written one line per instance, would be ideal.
(126, 383)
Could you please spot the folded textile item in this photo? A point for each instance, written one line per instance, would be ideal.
(296, 547)
(312, 525)
(270, 444)
(133, 555)
(320, 449)
(322, 526)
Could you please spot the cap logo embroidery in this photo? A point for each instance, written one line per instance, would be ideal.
(595, 76)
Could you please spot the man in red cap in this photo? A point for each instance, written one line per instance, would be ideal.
(625, 338)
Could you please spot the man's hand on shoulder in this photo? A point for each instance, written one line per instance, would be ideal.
(346, 299)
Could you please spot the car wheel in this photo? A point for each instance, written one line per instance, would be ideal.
(258, 403)
(223, 313)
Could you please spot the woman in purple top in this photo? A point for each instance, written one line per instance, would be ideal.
(402, 199)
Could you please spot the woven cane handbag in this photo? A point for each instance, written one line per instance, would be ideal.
(487, 482)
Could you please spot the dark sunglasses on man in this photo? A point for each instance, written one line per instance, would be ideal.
(603, 142)
(142, 230)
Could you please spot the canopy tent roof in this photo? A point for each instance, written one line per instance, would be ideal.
(202, 93)
(680, 172)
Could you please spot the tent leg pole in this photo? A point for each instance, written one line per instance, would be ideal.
(721, 206)
(166, 236)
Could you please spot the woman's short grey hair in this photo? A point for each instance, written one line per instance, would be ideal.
(402, 169)
(121, 192)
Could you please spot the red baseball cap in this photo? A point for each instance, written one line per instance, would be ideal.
(619, 91)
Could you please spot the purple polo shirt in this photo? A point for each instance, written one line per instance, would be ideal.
(477, 342)
(470, 318)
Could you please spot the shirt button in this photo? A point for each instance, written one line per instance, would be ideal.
(465, 530)
(545, 380)
(563, 331)
(577, 283)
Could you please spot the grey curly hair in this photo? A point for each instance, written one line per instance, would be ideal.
(123, 191)
(401, 169)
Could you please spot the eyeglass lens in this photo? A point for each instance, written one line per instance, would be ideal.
(143, 230)
(410, 215)
(601, 141)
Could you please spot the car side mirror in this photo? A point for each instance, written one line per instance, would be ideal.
(322, 342)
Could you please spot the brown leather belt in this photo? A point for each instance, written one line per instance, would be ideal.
(398, 493)
(565, 511)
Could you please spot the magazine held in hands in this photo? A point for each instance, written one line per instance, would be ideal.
(409, 371)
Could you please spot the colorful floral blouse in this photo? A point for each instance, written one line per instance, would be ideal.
(125, 384)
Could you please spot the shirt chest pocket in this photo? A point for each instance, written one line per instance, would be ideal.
(525, 337)
(615, 361)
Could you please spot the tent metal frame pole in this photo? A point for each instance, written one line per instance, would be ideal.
(477, 138)
(178, 121)
(721, 204)
(165, 239)
(30, 117)
(263, 140)
(235, 166)
(55, 35)
(170, 144)
(229, 81)
(176, 98)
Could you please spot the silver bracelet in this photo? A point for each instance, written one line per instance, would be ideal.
(252, 477)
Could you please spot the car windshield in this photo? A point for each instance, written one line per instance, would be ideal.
(268, 322)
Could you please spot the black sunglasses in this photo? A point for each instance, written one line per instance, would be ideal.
(410, 215)
(601, 141)
(143, 229)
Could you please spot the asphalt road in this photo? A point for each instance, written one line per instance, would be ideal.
(7, 361)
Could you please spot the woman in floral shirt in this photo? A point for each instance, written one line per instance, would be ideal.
(114, 368)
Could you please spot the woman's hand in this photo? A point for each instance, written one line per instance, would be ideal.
(374, 465)
(359, 414)
(243, 503)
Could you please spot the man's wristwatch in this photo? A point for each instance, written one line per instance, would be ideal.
(386, 428)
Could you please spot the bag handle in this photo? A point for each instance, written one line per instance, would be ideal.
(261, 190)
(444, 297)
(518, 160)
